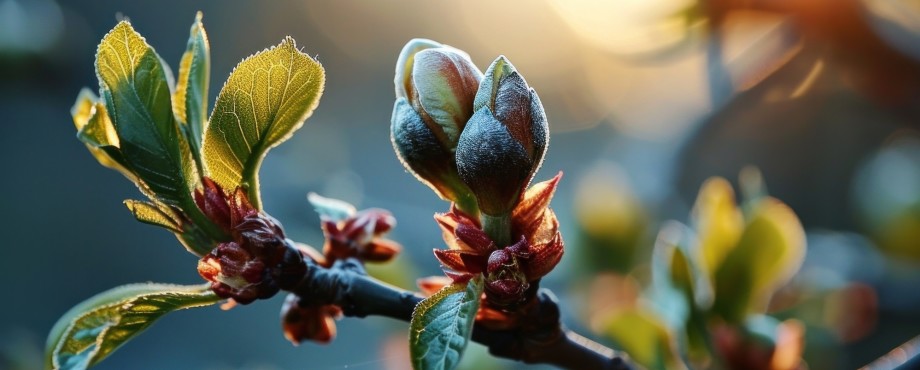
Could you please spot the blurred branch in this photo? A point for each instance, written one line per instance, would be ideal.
(906, 356)
(542, 339)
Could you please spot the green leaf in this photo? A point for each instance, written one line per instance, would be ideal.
(95, 130)
(442, 324)
(677, 264)
(98, 326)
(267, 97)
(150, 213)
(332, 209)
(770, 251)
(645, 338)
(718, 222)
(190, 101)
(135, 86)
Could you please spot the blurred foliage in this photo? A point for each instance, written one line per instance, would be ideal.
(710, 285)
(890, 210)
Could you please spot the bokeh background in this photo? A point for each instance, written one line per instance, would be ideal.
(646, 99)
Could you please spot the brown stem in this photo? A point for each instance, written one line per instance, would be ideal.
(542, 339)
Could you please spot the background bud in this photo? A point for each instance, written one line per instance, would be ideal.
(504, 141)
(435, 88)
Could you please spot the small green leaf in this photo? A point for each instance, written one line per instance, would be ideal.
(150, 213)
(267, 97)
(645, 338)
(332, 209)
(770, 251)
(718, 222)
(135, 86)
(95, 130)
(442, 324)
(676, 262)
(98, 326)
(190, 101)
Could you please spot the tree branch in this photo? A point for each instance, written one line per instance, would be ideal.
(542, 339)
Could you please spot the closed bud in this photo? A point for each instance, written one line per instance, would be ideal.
(435, 88)
(214, 203)
(505, 282)
(308, 322)
(504, 142)
(256, 264)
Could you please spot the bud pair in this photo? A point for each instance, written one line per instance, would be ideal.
(465, 134)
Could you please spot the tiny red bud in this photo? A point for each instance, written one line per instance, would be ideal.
(301, 323)
(498, 260)
(213, 202)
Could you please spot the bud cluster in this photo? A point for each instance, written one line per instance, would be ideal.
(511, 270)
(349, 234)
(258, 261)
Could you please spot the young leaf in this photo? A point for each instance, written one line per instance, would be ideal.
(150, 213)
(770, 251)
(718, 221)
(332, 209)
(645, 338)
(98, 326)
(680, 287)
(136, 90)
(190, 101)
(266, 98)
(95, 130)
(442, 324)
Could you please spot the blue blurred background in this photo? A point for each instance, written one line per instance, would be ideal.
(646, 99)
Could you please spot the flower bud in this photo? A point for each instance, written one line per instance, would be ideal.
(213, 202)
(505, 282)
(256, 264)
(308, 322)
(360, 235)
(435, 88)
(504, 142)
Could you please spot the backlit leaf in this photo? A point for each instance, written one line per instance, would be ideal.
(95, 130)
(267, 97)
(150, 213)
(645, 338)
(770, 251)
(331, 209)
(190, 101)
(718, 221)
(135, 86)
(442, 324)
(98, 326)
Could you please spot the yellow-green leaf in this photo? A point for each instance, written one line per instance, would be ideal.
(95, 130)
(98, 326)
(718, 222)
(152, 214)
(645, 338)
(442, 324)
(266, 98)
(135, 86)
(770, 251)
(676, 264)
(190, 101)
